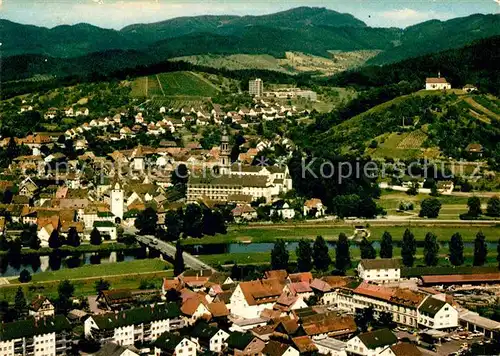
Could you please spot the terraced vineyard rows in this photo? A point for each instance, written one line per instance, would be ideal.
(414, 139)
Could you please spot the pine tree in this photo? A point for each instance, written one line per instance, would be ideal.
(304, 256)
(431, 249)
(480, 249)
(95, 237)
(474, 204)
(322, 259)
(456, 254)
(493, 208)
(54, 240)
(342, 254)
(20, 302)
(408, 249)
(73, 237)
(279, 255)
(179, 259)
(386, 245)
(367, 250)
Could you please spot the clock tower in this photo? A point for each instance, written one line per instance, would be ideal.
(117, 200)
(225, 154)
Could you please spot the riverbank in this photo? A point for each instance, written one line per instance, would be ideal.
(120, 275)
(294, 232)
(83, 248)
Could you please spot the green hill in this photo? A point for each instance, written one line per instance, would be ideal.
(423, 124)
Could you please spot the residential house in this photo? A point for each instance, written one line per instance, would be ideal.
(209, 338)
(475, 150)
(244, 344)
(371, 343)
(275, 348)
(282, 209)
(331, 346)
(112, 349)
(41, 307)
(115, 299)
(330, 324)
(173, 344)
(244, 212)
(435, 313)
(250, 298)
(27, 187)
(314, 207)
(383, 270)
(402, 349)
(195, 308)
(469, 88)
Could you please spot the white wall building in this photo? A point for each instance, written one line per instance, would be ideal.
(382, 270)
(436, 313)
(371, 343)
(437, 83)
(256, 87)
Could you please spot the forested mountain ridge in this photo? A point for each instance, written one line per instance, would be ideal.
(309, 30)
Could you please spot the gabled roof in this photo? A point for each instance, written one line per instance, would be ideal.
(275, 348)
(261, 291)
(204, 331)
(111, 349)
(378, 338)
(218, 309)
(239, 341)
(320, 285)
(436, 80)
(31, 327)
(37, 303)
(380, 263)
(301, 277)
(431, 306)
(304, 344)
(405, 349)
(279, 274)
(136, 316)
(329, 323)
(168, 341)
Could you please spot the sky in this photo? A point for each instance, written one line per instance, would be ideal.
(119, 13)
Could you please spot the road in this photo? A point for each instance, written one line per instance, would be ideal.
(168, 249)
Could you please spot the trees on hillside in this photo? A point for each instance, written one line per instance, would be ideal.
(456, 254)
(342, 254)
(386, 245)
(321, 257)
(409, 248)
(304, 254)
(431, 249)
(480, 249)
(279, 255)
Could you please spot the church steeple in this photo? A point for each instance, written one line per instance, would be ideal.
(225, 154)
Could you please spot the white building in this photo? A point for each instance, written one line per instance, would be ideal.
(256, 87)
(41, 308)
(117, 200)
(134, 325)
(282, 209)
(382, 270)
(173, 344)
(44, 337)
(437, 83)
(250, 298)
(331, 346)
(371, 343)
(209, 337)
(275, 348)
(436, 313)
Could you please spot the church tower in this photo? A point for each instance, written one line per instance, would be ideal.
(225, 154)
(117, 201)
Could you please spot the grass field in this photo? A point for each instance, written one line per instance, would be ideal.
(295, 233)
(403, 146)
(102, 270)
(173, 84)
(120, 275)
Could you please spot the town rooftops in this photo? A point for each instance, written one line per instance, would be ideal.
(328, 323)
(168, 341)
(31, 327)
(436, 80)
(304, 344)
(204, 331)
(331, 343)
(218, 309)
(231, 180)
(239, 341)
(380, 263)
(137, 316)
(405, 349)
(461, 278)
(261, 291)
(431, 306)
(279, 274)
(378, 338)
(275, 348)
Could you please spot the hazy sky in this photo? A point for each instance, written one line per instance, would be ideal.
(119, 13)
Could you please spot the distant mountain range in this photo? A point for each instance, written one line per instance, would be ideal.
(309, 30)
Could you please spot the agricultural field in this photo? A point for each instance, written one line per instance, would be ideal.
(402, 146)
(174, 84)
(236, 61)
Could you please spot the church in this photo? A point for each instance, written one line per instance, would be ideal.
(236, 183)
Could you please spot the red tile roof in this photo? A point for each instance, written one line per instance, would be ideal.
(462, 278)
